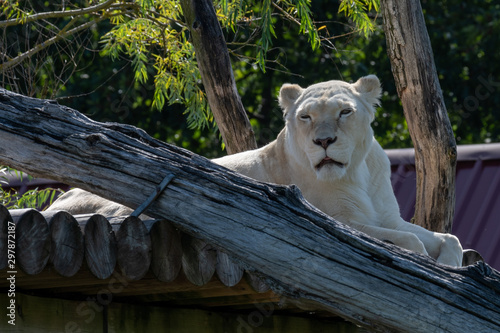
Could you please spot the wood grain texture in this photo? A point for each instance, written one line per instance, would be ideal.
(166, 261)
(133, 248)
(412, 63)
(67, 247)
(198, 260)
(32, 240)
(301, 252)
(228, 271)
(100, 246)
(257, 283)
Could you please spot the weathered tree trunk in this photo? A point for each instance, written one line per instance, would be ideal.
(412, 62)
(217, 75)
(271, 229)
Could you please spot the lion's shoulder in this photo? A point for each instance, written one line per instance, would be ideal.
(266, 164)
(380, 188)
(377, 160)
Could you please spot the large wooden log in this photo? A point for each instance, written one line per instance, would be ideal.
(67, 250)
(229, 272)
(133, 248)
(166, 261)
(198, 260)
(32, 240)
(100, 246)
(301, 252)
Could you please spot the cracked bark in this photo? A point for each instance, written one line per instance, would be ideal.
(410, 53)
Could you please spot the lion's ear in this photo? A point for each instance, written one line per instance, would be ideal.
(289, 93)
(369, 87)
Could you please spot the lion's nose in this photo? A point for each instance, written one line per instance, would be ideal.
(325, 142)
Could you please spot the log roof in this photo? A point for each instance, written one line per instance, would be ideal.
(63, 255)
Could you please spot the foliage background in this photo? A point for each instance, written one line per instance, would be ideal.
(464, 36)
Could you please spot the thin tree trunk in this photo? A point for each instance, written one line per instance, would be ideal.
(217, 75)
(302, 253)
(412, 62)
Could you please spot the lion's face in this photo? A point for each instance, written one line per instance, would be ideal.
(328, 124)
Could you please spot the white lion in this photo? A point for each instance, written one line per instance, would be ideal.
(327, 149)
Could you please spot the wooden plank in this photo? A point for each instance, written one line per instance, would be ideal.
(85, 283)
(271, 229)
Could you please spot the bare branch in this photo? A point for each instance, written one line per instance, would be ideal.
(39, 47)
(56, 14)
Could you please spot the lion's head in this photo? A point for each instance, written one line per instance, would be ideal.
(328, 124)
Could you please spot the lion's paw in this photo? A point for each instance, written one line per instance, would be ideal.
(450, 252)
(408, 241)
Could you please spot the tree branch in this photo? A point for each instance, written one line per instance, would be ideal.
(39, 47)
(56, 14)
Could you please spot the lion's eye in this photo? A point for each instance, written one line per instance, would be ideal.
(346, 112)
(305, 117)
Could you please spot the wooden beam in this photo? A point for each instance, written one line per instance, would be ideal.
(303, 253)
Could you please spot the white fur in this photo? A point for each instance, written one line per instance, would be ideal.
(358, 193)
(356, 190)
